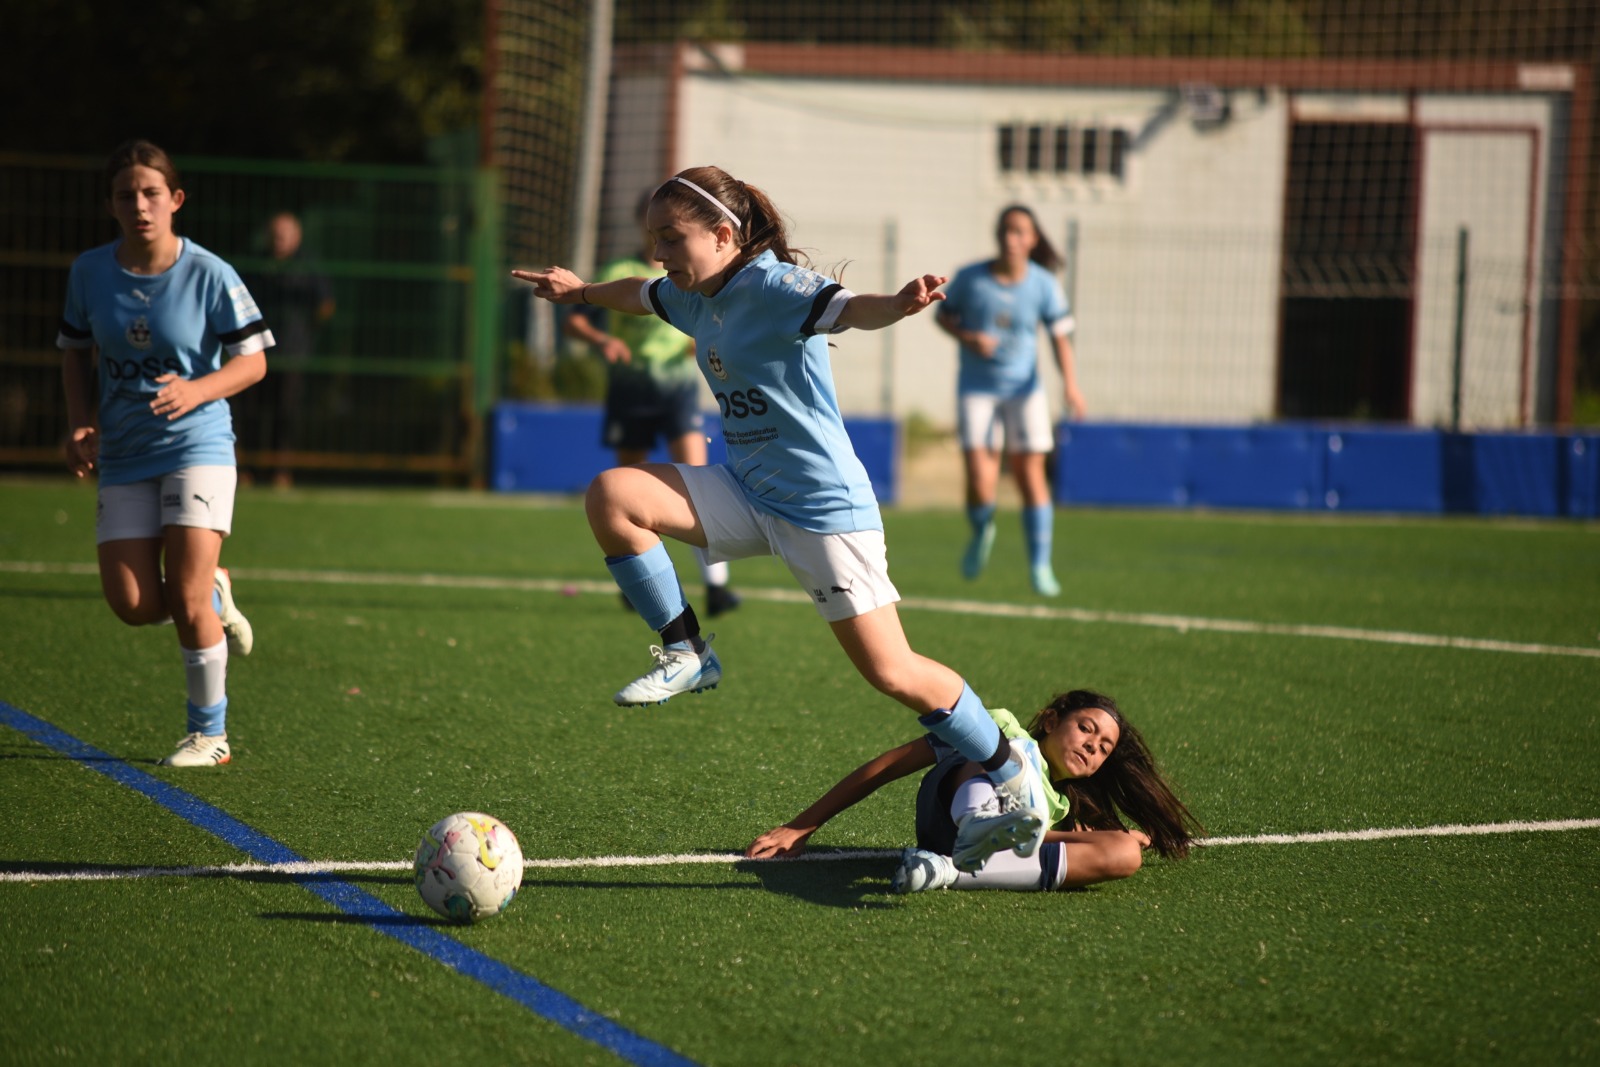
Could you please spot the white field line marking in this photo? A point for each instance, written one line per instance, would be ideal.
(1180, 623)
(312, 867)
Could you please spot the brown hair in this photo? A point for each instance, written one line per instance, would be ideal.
(1043, 252)
(760, 228)
(141, 153)
(1127, 782)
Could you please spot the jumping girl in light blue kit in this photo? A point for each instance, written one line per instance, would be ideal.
(792, 485)
(154, 314)
(995, 308)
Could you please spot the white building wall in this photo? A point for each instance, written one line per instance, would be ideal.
(1176, 272)
(1175, 282)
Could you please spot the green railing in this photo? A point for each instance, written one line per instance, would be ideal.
(398, 380)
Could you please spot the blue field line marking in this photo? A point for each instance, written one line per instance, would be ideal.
(532, 994)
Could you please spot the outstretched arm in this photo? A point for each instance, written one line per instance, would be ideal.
(875, 311)
(790, 838)
(560, 286)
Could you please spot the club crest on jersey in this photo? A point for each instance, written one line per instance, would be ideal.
(138, 333)
(714, 361)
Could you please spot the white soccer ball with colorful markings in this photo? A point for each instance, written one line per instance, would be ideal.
(468, 867)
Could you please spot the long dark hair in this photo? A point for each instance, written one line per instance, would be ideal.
(141, 153)
(1043, 252)
(761, 226)
(1127, 782)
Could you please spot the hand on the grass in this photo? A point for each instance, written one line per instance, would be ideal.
(778, 842)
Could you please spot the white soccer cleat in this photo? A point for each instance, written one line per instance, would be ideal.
(980, 835)
(921, 870)
(241, 639)
(1016, 820)
(1020, 787)
(676, 671)
(198, 750)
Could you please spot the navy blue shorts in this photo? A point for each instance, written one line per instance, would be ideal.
(640, 411)
(936, 830)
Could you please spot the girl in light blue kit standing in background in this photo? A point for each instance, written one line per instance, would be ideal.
(792, 485)
(995, 308)
(159, 312)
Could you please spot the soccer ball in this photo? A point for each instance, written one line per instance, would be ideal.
(468, 867)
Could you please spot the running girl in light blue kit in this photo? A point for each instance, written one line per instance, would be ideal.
(995, 309)
(792, 485)
(152, 315)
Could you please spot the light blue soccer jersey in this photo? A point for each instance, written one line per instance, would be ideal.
(179, 321)
(761, 344)
(1014, 313)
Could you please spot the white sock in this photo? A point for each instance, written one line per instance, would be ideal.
(972, 795)
(1007, 870)
(711, 573)
(206, 671)
(1045, 869)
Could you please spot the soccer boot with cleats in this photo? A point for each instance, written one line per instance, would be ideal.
(199, 750)
(921, 870)
(241, 638)
(677, 670)
(1020, 785)
(1018, 817)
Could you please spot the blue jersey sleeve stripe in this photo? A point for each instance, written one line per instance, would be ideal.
(818, 307)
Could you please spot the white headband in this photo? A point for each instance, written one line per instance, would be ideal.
(737, 225)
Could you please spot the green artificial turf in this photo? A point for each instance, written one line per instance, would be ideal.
(377, 702)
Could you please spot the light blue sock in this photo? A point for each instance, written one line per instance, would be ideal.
(979, 516)
(967, 727)
(216, 601)
(1039, 523)
(211, 721)
(650, 583)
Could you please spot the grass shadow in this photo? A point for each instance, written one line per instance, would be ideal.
(855, 884)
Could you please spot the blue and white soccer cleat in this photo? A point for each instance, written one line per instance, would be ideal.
(1020, 818)
(677, 670)
(241, 639)
(976, 556)
(921, 870)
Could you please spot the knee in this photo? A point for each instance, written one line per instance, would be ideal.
(1125, 858)
(605, 496)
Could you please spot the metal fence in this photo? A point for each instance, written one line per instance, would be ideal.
(395, 383)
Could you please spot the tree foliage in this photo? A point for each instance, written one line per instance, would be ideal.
(366, 80)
